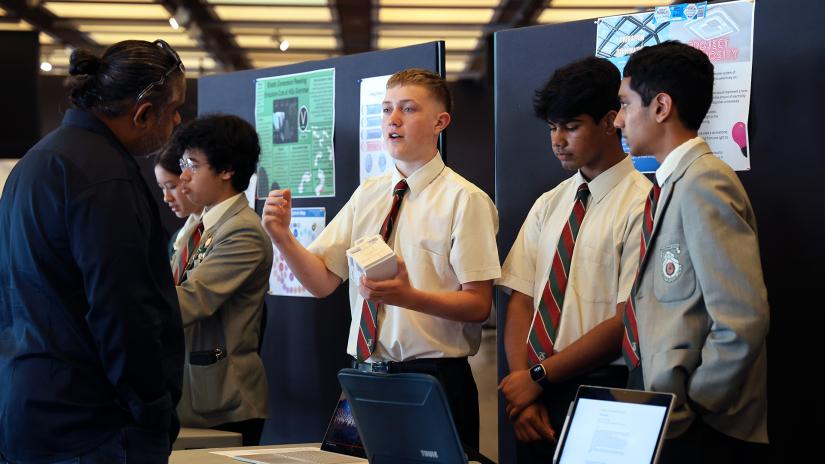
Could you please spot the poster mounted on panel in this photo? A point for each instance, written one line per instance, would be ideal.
(295, 119)
(307, 224)
(724, 31)
(373, 159)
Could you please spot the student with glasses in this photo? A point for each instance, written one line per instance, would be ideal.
(91, 343)
(222, 282)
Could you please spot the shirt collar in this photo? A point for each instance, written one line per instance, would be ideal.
(212, 215)
(75, 117)
(422, 177)
(673, 158)
(604, 182)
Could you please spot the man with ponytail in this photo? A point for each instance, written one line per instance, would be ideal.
(91, 344)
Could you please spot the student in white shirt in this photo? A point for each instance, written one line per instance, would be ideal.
(444, 235)
(579, 103)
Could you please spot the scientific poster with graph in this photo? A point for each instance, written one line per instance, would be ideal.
(295, 119)
(306, 225)
(724, 31)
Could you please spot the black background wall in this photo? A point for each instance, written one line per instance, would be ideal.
(19, 67)
(784, 186)
(470, 134)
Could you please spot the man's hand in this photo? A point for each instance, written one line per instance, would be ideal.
(277, 215)
(519, 390)
(533, 424)
(396, 291)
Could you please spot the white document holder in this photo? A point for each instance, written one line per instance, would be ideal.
(373, 258)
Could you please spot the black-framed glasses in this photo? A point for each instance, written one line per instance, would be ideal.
(178, 65)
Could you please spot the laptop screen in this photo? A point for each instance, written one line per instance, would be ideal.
(342, 435)
(609, 425)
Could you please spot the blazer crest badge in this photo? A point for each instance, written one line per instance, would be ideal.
(671, 267)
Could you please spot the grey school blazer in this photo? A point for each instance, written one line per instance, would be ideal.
(702, 307)
(222, 303)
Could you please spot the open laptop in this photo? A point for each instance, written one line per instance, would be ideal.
(403, 418)
(341, 445)
(612, 425)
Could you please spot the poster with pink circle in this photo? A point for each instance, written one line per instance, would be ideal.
(306, 225)
(724, 32)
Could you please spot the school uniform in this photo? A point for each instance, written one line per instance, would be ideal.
(602, 268)
(701, 304)
(445, 232)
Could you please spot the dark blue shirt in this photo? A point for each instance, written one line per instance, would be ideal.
(90, 329)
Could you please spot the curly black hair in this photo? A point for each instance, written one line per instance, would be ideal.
(228, 142)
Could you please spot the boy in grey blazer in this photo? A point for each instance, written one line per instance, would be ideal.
(225, 277)
(697, 317)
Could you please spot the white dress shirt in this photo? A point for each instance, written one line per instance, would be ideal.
(186, 230)
(213, 214)
(445, 233)
(672, 160)
(605, 256)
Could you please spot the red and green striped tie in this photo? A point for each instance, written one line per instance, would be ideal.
(368, 328)
(184, 255)
(546, 319)
(630, 341)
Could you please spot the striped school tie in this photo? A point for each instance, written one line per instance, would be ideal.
(546, 319)
(184, 255)
(368, 328)
(630, 340)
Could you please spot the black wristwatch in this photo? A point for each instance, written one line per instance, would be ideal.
(539, 375)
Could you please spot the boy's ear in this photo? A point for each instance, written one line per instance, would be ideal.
(226, 175)
(662, 106)
(442, 122)
(607, 122)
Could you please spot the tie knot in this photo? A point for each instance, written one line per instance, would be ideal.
(400, 188)
(582, 192)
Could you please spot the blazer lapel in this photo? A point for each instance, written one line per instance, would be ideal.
(667, 191)
(208, 235)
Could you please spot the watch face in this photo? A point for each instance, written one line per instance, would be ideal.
(537, 372)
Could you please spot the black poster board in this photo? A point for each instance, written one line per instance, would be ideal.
(305, 340)
(788, 167)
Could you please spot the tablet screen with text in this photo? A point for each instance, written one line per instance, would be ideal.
(614, 426)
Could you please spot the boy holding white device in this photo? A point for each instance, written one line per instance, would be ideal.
(427, 317)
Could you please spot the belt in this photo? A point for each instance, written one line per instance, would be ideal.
(421, 364)
(382, 367)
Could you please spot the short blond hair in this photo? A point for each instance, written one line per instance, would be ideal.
(431, 81)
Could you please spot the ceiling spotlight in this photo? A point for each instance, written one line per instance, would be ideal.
(282, 44)
(181, 18)
(45, 66)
